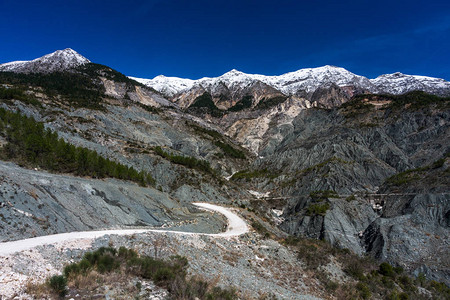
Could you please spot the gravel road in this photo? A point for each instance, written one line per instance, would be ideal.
(236, 226)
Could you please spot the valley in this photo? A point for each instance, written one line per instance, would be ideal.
(329, 174)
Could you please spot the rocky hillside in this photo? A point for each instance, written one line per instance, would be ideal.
(319, 153)
(327, 170)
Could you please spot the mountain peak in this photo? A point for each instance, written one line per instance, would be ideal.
(232, 73)
(59, 60)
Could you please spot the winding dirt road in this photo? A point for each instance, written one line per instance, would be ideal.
(236, 226)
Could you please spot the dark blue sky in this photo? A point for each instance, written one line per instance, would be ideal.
(193, 38)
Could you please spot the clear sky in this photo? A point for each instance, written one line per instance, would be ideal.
(192, 39)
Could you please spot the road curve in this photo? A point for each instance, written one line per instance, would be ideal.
(236, 226)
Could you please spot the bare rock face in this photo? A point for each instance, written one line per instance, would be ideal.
(417, 240)
(412, 227)
(35, 203)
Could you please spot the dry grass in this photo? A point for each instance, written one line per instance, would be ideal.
(38, 290)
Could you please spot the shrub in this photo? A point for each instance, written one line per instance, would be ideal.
(403, 296)
(317, 209)
(170, 274)
(218, 293)
(163, 275)
(387, 282)
(364, 290)
(355, 269)
(314, 253)
(260, 229)
(58, 284)
(84, 265)
(106, 263)
(331, 286)
(291, 240)
(386, 270)
(126, 253)
(71, 269)
(350, 198)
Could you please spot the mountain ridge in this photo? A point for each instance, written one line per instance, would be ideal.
(308, 80)
(303, 82)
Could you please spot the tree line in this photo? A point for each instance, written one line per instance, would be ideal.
(30, 144)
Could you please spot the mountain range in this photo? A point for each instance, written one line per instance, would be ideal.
(303, 81)
(315, 160)
(298, 83)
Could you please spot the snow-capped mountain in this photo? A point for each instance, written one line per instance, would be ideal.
(234, 84)
(167, 85)
(57, 61)
(308, 80)
(398, 83)
(302, 82)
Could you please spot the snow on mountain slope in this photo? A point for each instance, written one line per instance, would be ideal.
(307, 80)
(310, 79)
(398, 83)
(57, 61)
(167, 85)
(303, 81)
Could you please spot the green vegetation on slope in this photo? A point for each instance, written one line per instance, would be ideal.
(30, 144)
(360, 105)
(79, 87)
(320, 205)
(220, 142)
(212, 133)
(230, 151)
(245, 102)
(318, 196)
(270, 102)
(206, 104)
(7, 93)
(93, 70)
(76, 89)
(317, 209)
(190, 162)
(321, 169)
(247, 175)
(370, 280)
(422, 174)
(418, 99)
(83, 276)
